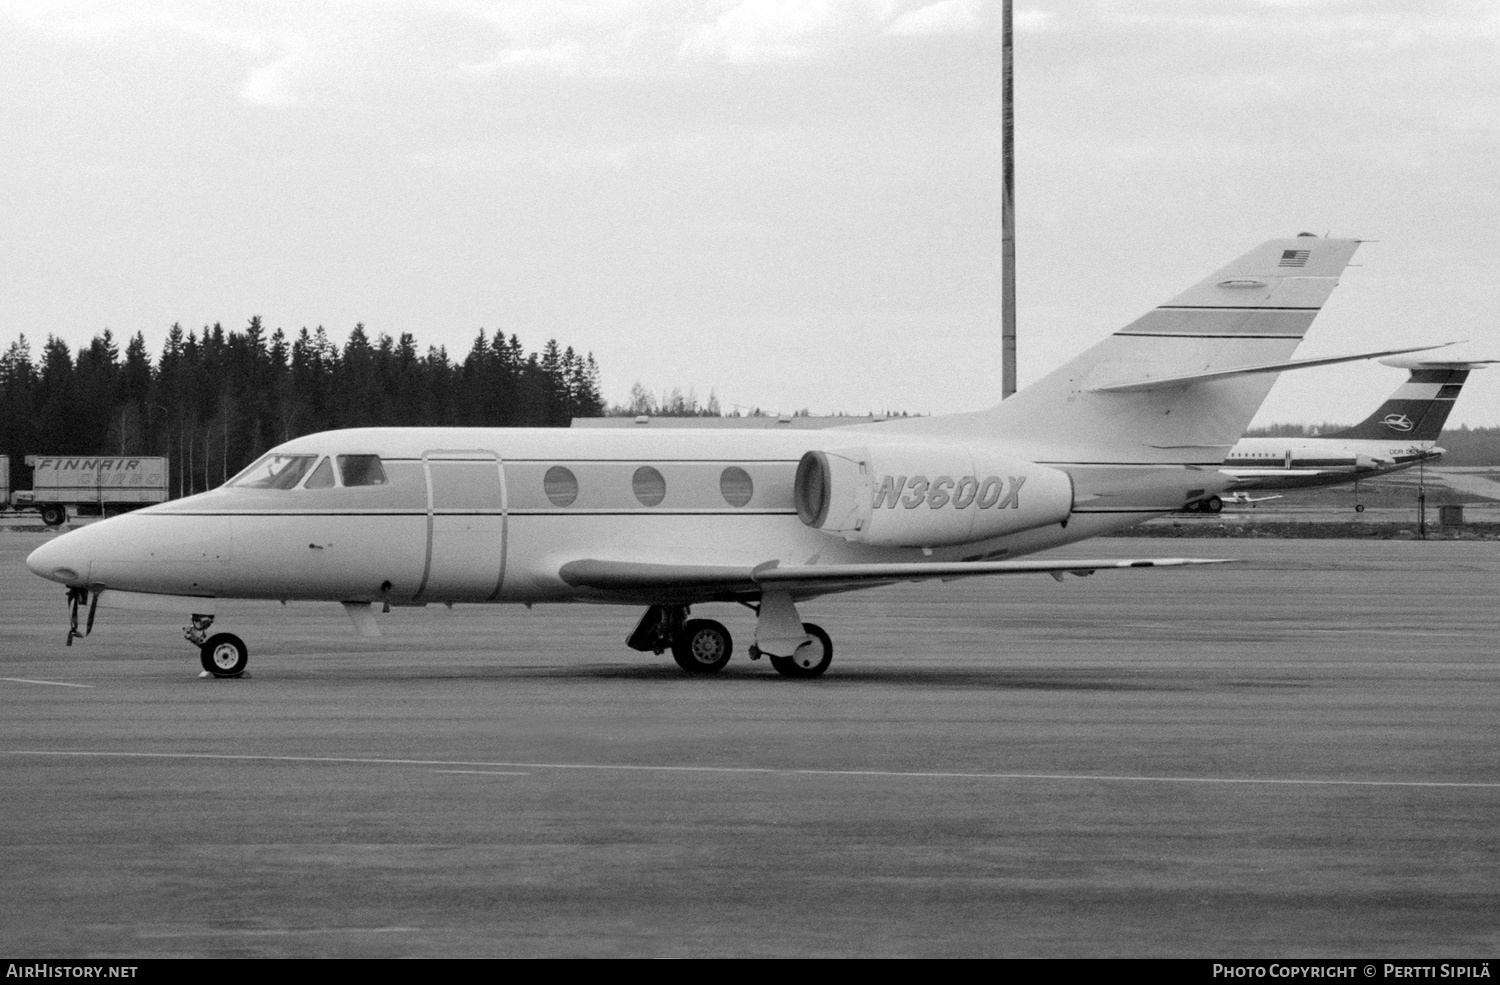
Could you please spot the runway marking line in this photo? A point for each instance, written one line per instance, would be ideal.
(762, 770)
(485, 772)
(24, 680)
(275, 931)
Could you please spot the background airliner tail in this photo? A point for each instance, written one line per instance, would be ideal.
(1419, 408)
(1252, 312)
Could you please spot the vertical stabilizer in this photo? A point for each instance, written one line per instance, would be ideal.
(1419, 408)
(1252, 312)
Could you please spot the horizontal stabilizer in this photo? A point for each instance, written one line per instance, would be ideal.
(1169, 382)
(1417, 362)
(635, 578)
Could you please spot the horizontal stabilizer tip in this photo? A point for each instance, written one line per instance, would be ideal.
(1417, 362)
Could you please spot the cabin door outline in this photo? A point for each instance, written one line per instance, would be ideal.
(467, 525)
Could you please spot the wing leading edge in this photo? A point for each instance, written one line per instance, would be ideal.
(706, 580)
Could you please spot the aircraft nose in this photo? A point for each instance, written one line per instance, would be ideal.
(62, 559)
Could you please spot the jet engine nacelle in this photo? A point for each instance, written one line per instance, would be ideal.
(927, 496)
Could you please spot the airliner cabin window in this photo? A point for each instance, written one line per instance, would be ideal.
(322, 477)
(362, 470)
(275, 471)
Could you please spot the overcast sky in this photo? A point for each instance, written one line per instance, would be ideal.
(794, 203)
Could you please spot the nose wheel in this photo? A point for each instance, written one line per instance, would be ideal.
(224, 655)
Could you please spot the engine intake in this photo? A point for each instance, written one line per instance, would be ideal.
(925, 496)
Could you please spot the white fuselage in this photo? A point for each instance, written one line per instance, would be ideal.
(1296, 463)
(491, 515)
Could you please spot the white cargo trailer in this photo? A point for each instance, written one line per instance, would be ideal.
(100, 485)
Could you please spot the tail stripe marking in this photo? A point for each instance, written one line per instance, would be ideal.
(1212, 335)
(1236, 307)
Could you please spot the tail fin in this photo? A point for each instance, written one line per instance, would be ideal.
(1252, 312)
(1419, 407)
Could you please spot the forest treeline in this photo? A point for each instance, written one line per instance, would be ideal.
(214, 400)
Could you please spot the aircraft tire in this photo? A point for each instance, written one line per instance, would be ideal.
(53, 516)
(702, 646)
(1213, 504)
(811, 659)
(224, 655)
(1359, 507)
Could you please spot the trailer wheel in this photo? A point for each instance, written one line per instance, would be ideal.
(53, 516)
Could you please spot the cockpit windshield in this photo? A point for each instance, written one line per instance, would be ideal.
(275, 471)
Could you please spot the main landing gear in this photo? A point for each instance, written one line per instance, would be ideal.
(704, 646)
(1213, 504)
(809, 660)
(222, 654)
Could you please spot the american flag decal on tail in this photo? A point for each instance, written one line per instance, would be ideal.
(1294, 258)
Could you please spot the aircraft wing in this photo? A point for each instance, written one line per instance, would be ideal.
(1250, 475)
(702, 580)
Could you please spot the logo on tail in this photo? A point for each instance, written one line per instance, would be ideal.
(1398, 422)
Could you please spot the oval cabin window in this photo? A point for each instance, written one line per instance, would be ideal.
(650, 488)
(736, 486)
(560, 485)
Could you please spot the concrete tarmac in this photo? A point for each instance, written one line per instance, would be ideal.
(1295, 756)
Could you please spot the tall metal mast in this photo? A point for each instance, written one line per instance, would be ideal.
(1007, 217)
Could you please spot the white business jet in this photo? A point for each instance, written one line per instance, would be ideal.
(1136, 426)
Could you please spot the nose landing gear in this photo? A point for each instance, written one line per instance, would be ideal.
(222, 654)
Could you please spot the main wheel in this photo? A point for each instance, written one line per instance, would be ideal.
(53, 516)
(702, 646)
(811, 658)
(224, 655)
(1213, 504)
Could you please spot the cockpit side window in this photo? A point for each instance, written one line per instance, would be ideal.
(322, 477)
(362, 470)
(275, 471)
